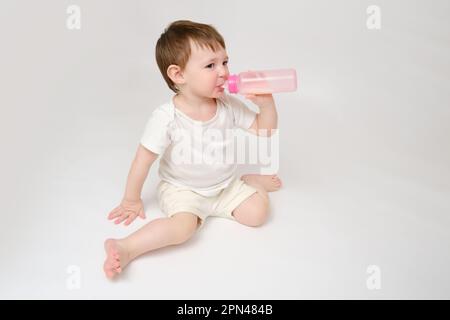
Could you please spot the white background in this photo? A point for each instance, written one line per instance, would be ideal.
(364, 150)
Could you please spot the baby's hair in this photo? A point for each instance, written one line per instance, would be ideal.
(173, 46)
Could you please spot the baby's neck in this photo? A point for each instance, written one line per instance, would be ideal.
(193, 104)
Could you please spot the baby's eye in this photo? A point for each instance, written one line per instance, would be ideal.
(209, 66)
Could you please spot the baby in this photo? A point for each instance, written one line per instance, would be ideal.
(193, 61)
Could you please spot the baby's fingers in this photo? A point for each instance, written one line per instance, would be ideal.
(130, 219)
(142, 213)
(122, 218)
(115, 213)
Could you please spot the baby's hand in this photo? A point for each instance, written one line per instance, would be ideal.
(128, 210)
(261, 100)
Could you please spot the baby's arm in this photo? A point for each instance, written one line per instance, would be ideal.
(138, 173)
(267, 119)
(131, 205)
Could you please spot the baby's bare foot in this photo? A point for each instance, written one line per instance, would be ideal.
(268, 182)
(117, 258)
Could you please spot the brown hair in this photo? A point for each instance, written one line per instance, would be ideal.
(173, 46)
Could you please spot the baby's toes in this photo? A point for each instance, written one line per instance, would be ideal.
(115, 266)
(115, 263)
(108, 270)
(115, 254)
(280, 183)
(277, 182)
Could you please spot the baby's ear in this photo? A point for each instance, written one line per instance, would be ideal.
(175, 74)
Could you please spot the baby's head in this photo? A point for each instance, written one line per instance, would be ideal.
(192, 58)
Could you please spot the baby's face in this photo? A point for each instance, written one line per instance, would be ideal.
(206, 71)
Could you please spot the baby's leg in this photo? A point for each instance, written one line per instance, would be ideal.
(254, 210)
(156, 234)
(270, 182)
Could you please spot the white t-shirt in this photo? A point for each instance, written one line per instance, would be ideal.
(191, 149)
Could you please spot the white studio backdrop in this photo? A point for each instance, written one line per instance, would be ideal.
(364, 149)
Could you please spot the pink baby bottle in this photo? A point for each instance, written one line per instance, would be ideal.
(261, 82)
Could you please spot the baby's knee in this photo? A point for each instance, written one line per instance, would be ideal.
(259, 214)
(184, 226)
(258, 218)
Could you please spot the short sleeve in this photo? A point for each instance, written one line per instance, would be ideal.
(243, 116)
(156, 137)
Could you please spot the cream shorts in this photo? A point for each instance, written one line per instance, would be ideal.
(173, 199)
